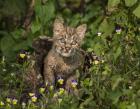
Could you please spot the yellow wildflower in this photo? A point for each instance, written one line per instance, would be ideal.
(8, 100)
(14, 101)
(34, 98)
(118, 30)
(103, 61)
(1, 103)
(61, 81)
(61, 91)
(41, 90)
(55, 95)
(96, 62)
(51, 87)
(74, 83)
(22, 55)
(31, 94)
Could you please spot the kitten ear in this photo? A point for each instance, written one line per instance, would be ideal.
(81, 31)
(58, 26)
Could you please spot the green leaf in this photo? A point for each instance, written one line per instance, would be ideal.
(45, 12)
(49, 10)
(123, 105)
(114, 96)
(116, 81)
(35, 26)
(87, 82)
(21, 45)
(117, 53)
(106, 27)
(112, 3)
(13, 7)
(136, 12)
(138, 101)
(97, 48)
(93, 26)
(75, 20)
(132, 106)
(7, 45)
(130, 3)
(17, 34)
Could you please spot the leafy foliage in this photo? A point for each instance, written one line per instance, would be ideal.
(113, 34)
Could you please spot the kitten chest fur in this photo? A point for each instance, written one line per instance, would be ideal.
(65, 56)
(63, 66)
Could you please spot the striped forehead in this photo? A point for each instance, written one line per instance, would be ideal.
(70, 32)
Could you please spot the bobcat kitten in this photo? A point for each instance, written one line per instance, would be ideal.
(65, 56)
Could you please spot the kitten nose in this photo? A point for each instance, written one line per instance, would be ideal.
(67, 48)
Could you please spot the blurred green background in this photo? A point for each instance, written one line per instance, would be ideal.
(113, 32)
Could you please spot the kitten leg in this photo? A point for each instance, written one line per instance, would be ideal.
(49, 75)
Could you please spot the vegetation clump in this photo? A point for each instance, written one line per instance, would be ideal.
(112, 78)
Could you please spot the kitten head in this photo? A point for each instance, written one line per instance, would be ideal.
(67, 39)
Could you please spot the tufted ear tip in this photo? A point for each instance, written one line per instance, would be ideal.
(84, 26)
(59, 19)
(81, 30)
(58, 25)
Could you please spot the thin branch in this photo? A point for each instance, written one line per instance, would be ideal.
(28, 17)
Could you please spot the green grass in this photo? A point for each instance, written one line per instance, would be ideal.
(113, 84)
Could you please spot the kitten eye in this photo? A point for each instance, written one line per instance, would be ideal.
(62, 40)
(73, 43)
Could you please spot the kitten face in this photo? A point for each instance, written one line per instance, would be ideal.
(67, 39)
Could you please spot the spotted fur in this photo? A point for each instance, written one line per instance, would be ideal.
(65, 56)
